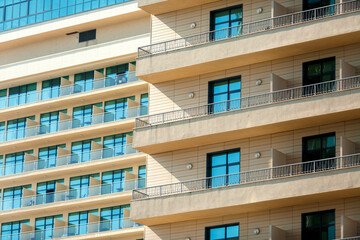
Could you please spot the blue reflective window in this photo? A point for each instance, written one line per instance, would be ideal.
(80, 185)
(50, 121)
(81, 150)
(17, 128)
(114, 180)
(225, 95)
(115, 145)
(117, 109)
(142, 176)
(22, 94)
(83, 116)
(48, 156)
(3, 98)
(12, 228)
(12, 197)
(46, 191)
(144, 102)
(78, 222)
(50, 88)
(226, 22)
(112, 217)
(223, 168)
(84, 81)
(14, 162)
(44, 227)
(117, 74)
(224, 232)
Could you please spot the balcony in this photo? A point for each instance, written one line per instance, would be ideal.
(66, 90)
(34, 129)
(249, 43)
(65, 159)
(93, 230)
(284, 109)
(257, 190)
(30, 199)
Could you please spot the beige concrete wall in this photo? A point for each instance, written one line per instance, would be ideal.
(63, 43)
(176, 24)
(170, 167)
(173, 95)
(287, 219)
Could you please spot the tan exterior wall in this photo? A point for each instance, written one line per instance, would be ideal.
(176, 24)
(170, 167)
(287, 219)
(173, 95)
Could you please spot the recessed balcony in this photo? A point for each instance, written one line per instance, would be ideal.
(67, 93)
(257, 190)
(110, 229)
(246, 44)
(267, 113)
(99, 121)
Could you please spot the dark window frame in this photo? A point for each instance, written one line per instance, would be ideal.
(87, 35)
(208, 159)
(305, 64)
(212, 17)
(303, 215)
(304, 139)
(208, 228)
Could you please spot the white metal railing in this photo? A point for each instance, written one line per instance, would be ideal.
(62, 160)
(48, 94)
(71, 194)
(265, 174)
(248, 102)
(249, 28)
(349, 238)
(72, 123)
(74, 230)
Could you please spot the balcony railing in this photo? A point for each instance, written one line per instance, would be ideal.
(56, 92)
(265, 174)
(73, 123)
(63, 160)
(71, 194)
(58, 10)
(249, 28)
(248, 102)
(350, 238)
(74, 230)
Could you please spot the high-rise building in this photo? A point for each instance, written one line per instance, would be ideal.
(179, 120)
(253, 129)
(69, 97)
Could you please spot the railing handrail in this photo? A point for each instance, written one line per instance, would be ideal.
(268, 170)
(65, 155)
(242, 25)
(244, 99)
(63, 87)
(74, 119)
(73, 226)
(100, 186)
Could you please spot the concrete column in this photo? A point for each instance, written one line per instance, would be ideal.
(346, 70)
(277, 9)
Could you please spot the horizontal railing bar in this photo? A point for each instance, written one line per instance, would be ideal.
(65, 90)
(276, 172)
(250, 101)
(266, 24)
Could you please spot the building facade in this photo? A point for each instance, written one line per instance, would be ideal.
(69, 99)
(253, 126)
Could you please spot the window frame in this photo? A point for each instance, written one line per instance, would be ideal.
(305, 65)
(209, 155)
(321, 136)
(303, 215)
(208, 228)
